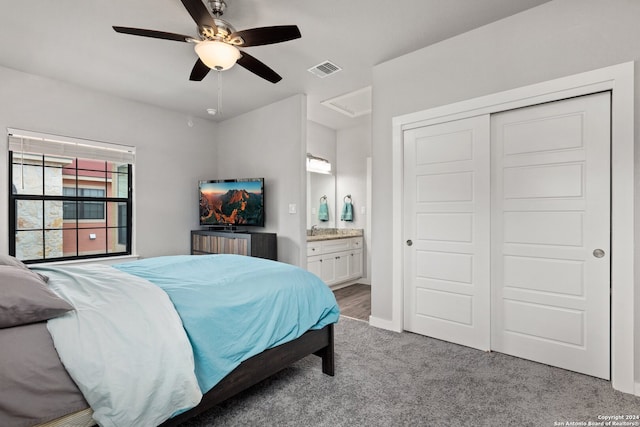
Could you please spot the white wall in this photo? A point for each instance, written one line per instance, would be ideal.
(321, 142)
(171, 156)
(559, 38)
(352, 150)
(270, 142)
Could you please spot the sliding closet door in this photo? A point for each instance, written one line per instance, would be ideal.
(551, 233)
(446, 231)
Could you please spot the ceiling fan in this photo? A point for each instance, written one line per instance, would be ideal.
(218, 42)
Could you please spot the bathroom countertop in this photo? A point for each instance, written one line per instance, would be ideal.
(333, 233)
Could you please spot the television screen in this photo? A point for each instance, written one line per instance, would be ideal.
(232, 202)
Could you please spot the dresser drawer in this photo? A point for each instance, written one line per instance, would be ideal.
(314, 248)
(336, 245)
(356, 243)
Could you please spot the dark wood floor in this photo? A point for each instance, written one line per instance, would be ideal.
(354, 301)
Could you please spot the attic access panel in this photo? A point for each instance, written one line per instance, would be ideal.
(352, 104)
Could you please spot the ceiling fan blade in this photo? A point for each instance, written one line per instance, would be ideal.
(258, 68)
(200, 14)
(199, 71)
(153, 34)
(268, 35)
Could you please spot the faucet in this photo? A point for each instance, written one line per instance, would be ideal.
(313, 229)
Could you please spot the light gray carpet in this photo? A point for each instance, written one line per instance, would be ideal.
(389, 379)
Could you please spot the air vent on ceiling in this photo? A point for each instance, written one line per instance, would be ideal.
(324, 69)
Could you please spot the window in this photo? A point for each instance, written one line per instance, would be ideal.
(83, 210)
(69, 198)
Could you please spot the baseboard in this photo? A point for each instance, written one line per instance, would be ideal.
(345, 284)
(382, 324)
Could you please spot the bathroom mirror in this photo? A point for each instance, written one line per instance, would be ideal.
(320, 185)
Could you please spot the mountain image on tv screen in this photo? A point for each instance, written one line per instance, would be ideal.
(237, 203)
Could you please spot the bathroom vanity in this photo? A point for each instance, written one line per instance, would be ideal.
(335, 255)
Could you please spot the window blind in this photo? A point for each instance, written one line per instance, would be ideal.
(23, 141)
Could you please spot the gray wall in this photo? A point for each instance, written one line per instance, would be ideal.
(270, 142)
(559, 38)
(171, 156)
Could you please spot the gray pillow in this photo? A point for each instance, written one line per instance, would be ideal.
(9, 260)
(25, 298)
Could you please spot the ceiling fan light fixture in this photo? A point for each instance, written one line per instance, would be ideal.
(217, 55)
(216, 42)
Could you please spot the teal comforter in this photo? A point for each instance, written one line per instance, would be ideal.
(234, 307)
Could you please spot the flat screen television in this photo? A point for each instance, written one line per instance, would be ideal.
(227, 203)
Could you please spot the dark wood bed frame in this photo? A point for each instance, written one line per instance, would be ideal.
(262, 366)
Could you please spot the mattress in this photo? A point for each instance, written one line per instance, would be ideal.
(77, 419)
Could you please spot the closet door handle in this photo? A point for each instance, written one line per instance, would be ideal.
(598, 253)
(409, 242)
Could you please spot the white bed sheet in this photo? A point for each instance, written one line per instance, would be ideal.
(123, 345)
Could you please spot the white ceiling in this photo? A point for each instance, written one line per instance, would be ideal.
(72, 41)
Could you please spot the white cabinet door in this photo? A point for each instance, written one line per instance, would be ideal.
(328, 269)
(446, 229)
(551, 233)
(342, 266)
(355, 264)
(314, 265)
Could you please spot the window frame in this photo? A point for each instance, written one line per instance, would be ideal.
(80, 214)
(114, 200)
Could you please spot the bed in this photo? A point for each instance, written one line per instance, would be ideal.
(154, 341)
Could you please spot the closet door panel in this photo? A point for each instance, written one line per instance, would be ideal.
(550, 219)
(446, 231)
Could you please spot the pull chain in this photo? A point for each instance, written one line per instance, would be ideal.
(219, 112)
(22, 163)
